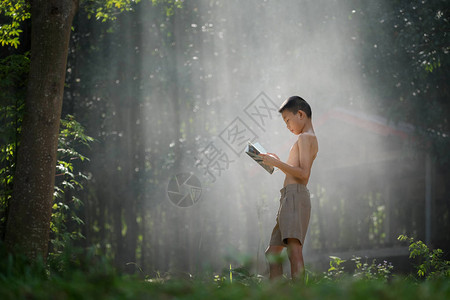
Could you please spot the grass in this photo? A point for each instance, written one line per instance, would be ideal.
(80, 286)
(81, 275)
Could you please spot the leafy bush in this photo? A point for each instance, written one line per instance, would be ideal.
(72, 136)
(431, 263)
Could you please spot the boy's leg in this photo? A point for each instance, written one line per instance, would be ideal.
(296, 258)
(275, 265)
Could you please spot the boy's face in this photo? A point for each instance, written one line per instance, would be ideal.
(294, 121)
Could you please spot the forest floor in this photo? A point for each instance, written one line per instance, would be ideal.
(87, 277)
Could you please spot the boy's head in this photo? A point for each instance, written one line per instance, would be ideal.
(296, 113)
(294, 104)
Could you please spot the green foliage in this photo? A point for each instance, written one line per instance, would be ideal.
(72, 136)
(17, 267)
(80, 274)
(75, 259)
(422, 28)
(363, 270)
(170, 5)
(75, 274)
(373, 271)
(109, 9)
(405, 60)
(431, 262)
(336, 269)
(241, 274)
(13, 81)
(84, 274)
(17, 11)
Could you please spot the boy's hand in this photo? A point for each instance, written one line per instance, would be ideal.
(270, 159)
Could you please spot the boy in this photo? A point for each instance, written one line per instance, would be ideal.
(295, 206)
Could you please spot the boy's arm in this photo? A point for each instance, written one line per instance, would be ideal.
(305, 160)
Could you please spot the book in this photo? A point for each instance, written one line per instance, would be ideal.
(253, 150)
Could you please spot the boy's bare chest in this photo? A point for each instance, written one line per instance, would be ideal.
(293, 158)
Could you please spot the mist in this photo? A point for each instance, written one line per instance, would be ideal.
(185, 95)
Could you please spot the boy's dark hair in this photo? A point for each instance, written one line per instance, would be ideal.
(294, 104)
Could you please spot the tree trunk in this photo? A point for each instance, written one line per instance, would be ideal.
(29, 215)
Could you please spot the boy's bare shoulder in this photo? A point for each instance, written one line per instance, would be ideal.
(307, 137)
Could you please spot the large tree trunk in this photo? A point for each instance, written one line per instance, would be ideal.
(29, 215)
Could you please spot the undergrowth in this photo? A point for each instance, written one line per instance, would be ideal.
(82, 274)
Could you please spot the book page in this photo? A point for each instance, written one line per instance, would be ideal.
(253, 150)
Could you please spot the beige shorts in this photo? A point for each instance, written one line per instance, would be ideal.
(293, 215)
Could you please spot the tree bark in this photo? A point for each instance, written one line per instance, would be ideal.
(29, 215)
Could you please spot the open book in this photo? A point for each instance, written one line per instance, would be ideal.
(253, 150)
